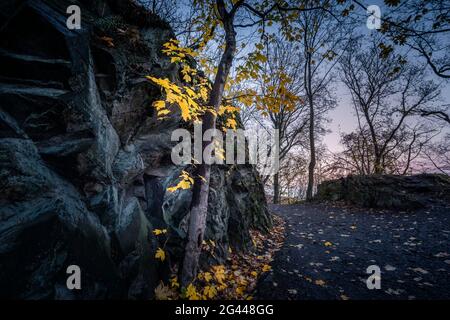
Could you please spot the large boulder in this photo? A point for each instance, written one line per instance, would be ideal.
(85, 164)
(45, 227)
(388, 191)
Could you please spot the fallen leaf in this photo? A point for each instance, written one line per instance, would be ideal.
(420, 270)
(210, 291)
(191, 292)
(320, 282)
(157, 232)
(163, 292)
(160, 254)
(266, 268)
(109, 41)
(174, 282)
(441, 255)
(389, 268)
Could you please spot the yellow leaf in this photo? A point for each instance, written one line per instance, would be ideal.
(219, 273)
(171, 97)
(163, 112)
(191, 293)
(259, 46)
(254, 274)
(187, 78)
(328, 244)
(186, 182)
(320, 282)
(220, 152)
(184, 106)
(160, 254)
(207, 276)
(240, 291)
(174, 282)
(157, 232)
(222, 286)
(231, 123)
(210, 291)
(260, 57)
(243, 282)
(266, 268)
(159, 104)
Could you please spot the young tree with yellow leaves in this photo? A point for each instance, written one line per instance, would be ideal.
(222, 19)
(281, 107)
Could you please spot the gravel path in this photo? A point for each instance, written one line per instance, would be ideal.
(328, 249)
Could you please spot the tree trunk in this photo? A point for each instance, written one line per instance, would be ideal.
(312, 162)
(276, 189)
(199, 204)
(197, 224)
(378, 168)
(312, 145)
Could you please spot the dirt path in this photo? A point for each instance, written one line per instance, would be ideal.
(328, 249)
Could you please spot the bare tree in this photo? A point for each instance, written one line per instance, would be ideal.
(386, 94)
(410, 143)
(423, 26)
(292, 173)
(322, 39)
(439, 155)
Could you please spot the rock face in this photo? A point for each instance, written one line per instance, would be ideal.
(388, 191)
(85, 164)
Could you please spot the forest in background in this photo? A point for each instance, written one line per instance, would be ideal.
(277, 64)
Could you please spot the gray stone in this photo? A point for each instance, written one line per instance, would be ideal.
(128, 165)
(388, 191)
(45, 227)
(85, 163)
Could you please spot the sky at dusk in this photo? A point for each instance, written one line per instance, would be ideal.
(342, 118)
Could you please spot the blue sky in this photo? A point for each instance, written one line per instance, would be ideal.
(342, 117)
